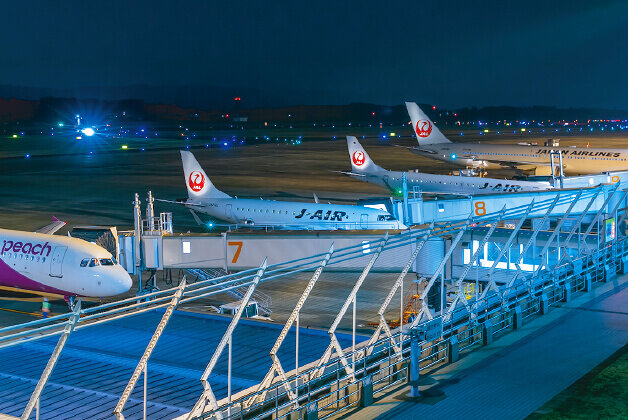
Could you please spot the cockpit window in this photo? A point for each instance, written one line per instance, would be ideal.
(84, 262)
(106, 261)
(93, 262)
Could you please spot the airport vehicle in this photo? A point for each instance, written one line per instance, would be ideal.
(43, 262)
(575, 160)
(205, 198)
(364, 169)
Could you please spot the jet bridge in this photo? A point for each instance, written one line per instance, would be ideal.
(420, 211)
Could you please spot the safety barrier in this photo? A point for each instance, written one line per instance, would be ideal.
(445, 322)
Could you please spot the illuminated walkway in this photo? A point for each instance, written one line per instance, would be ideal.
(521, 371)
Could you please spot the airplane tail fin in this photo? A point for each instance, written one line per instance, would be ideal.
(198, 184)
(360, 160)
(424, 129)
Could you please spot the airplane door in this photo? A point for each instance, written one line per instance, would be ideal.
(364, 221)
(57, 260)
(229, 211)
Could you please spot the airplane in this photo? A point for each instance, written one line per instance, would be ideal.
(43, 262)
(205, 198)
(575, 160)
(364, 169)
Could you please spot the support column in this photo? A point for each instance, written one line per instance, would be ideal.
(415, 355)
(543, 304)
(517, 318)
(453, 349)
(366, 391)
(487, 333)
(567, 292)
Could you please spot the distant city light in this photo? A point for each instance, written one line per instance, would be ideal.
(88, 131)
(124, 146)
(14, 136)
(60, 124)
(28, 156)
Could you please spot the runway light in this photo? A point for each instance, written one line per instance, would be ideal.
(14, 136)
(124, 146)
(60, 124)
(88, 131)
(27, 156)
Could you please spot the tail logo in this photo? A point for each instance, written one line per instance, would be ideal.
(423, 128)
(358, 158)
(196, 181)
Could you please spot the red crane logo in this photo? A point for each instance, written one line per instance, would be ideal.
(423, 128)
(196, 181)
(358, 158)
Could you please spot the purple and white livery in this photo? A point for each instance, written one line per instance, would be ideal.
(67, 266)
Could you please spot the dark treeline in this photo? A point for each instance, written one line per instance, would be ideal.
(52, 109)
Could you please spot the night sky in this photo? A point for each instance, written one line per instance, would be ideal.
(452, 53)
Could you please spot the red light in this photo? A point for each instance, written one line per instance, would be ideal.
(455, 114)
(372, 113)
(434, 107)
(237, 98)
(226, 115)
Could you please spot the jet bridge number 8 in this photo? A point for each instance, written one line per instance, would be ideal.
(480, 208)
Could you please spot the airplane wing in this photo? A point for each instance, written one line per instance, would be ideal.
(417, 149)
(52, 227)
(348, 173)
(513, 162)
(182, 203)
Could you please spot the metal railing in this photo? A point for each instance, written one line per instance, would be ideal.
(334, 382)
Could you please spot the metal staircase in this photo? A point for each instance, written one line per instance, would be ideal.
(264, 302)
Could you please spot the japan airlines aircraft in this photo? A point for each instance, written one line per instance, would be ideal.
(42, 262)
(576, 160)
(204, 197)
(363, 168)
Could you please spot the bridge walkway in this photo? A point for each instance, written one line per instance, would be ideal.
(519, 372)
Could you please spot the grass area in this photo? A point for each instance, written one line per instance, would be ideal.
(600, 394)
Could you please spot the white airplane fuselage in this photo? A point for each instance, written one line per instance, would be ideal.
(294, 215)
(576, 160)
(59, 264)
(364, 169)
(449, 184)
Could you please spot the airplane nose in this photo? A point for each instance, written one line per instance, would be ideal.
(124, 281)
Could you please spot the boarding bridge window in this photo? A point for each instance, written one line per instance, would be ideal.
(385, 217)
(187, 248)
(492, 250)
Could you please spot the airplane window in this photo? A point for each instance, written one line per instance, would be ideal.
(106, 261)
(93, 262)
(43, 259)
(84, 262)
